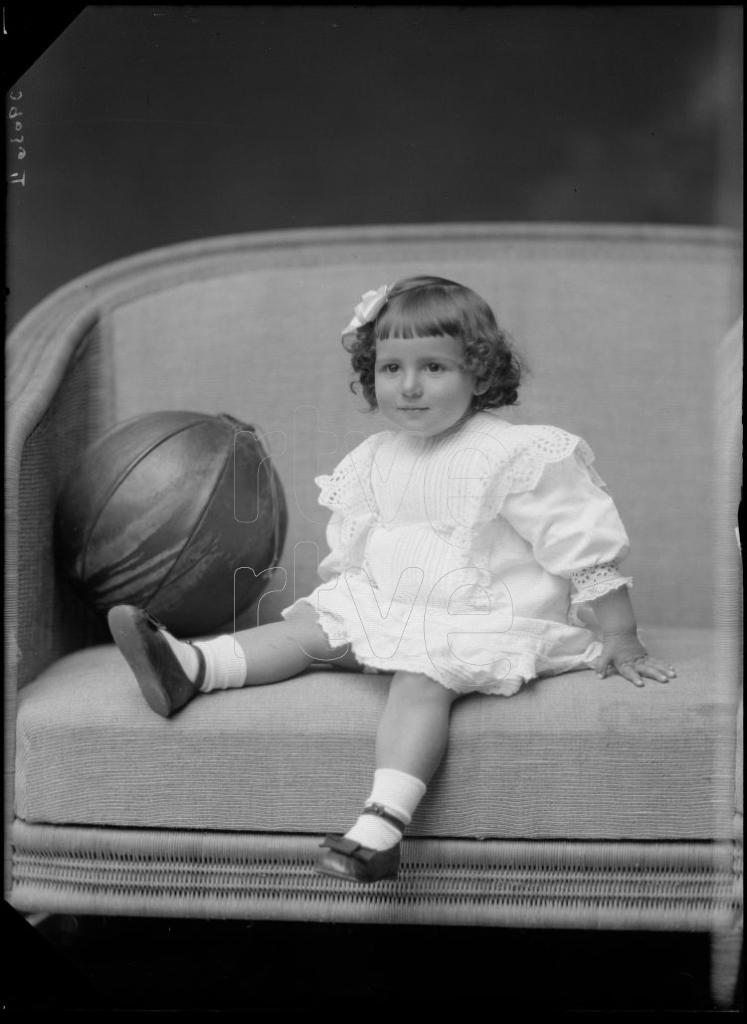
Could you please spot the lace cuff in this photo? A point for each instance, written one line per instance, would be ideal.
(596, 581)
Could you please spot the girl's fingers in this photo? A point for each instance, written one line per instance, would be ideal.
(646, 668)
(657, 670)
(636, 671)
(653, 672)
(628, 672)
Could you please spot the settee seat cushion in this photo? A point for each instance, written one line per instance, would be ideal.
(569, 756)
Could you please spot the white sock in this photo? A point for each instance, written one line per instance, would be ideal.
(225, 664)
(400, 794)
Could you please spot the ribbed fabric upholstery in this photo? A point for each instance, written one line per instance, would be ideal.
(569, 756)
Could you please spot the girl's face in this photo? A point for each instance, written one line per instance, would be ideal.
(421, 384)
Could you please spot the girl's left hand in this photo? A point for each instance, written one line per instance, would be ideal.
(625, 654)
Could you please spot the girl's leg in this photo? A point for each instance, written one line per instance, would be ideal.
(280, 650)
(262, 654)
(410, 744)
(171, 672)
(414, 728)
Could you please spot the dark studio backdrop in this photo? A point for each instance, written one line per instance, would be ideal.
(146, 125)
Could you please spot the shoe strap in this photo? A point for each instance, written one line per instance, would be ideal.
(382, 812)
(153, 621)
(201, 665)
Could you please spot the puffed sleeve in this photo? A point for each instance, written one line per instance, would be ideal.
(347, 493)
(571, 523)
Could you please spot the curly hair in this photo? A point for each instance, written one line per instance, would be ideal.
(419, 307)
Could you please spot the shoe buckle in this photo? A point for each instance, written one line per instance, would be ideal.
(382, 812)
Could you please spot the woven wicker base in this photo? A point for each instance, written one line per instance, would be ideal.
(659, 886)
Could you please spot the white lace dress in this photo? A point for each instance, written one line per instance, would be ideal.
(466, 556)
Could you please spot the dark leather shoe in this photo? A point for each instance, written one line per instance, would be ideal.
(347, 859)
(162, 680)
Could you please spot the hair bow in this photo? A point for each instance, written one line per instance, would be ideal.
(367, 309)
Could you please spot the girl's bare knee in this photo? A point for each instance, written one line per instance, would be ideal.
(311, 638)
(418, 686)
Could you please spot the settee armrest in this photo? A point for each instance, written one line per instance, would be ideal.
(58, 400)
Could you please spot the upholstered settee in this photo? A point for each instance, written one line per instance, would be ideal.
(579, 803)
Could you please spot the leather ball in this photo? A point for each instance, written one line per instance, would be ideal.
(176, 512)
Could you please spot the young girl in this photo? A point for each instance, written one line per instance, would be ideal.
(466, 555)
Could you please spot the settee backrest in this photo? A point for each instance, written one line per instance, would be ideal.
(623, 330)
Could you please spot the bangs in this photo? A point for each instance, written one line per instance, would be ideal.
(433, 307)
(421, 313)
